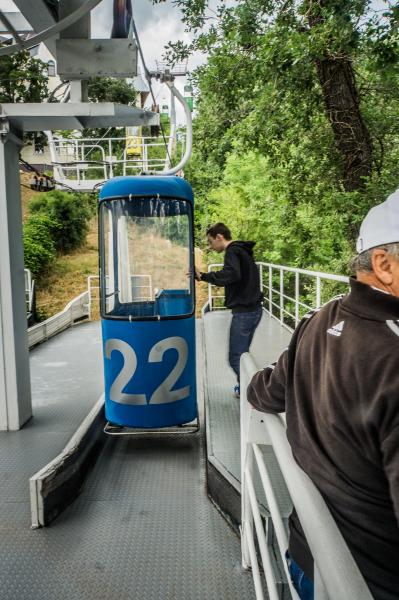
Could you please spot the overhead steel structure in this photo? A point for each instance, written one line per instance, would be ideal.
(64, 39)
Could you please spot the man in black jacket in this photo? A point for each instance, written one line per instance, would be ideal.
(240, 278)
(338, 383)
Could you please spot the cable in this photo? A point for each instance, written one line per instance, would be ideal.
(34, 170)
(148, 77)
(81, 162)
(59, 86)
(52, 30)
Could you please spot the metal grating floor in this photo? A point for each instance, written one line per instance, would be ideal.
(66, 376)
(223, 409)
(143, 528)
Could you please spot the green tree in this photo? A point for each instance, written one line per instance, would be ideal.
(326, 33)
(22, 78)
(39, 247)
(69, 215)
(266, 97)
(108, 89)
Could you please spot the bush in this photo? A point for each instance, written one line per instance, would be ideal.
(69, 215)
(39, 247)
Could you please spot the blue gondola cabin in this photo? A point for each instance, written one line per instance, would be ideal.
(148, 301)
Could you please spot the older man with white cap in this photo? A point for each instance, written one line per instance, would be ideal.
(338, 383)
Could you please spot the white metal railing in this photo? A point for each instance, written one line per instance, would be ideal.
(76, 309)
(286, 303)
(85, 159)
(29, 289)
(336, 575)
(141, 287)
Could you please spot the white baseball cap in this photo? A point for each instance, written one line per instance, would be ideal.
(381, 225)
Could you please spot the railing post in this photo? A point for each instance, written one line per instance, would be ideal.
(261, 277)
(270, 291)
(89, 292)
(110, 155)
(281, 296)
(296, 298)
(318, 292)
(247, 523)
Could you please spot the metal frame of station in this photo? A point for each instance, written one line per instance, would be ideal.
(112, 57)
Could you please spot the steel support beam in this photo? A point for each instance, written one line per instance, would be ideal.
(15, 391)
(79, 30)
(39, 16)
(18, 21)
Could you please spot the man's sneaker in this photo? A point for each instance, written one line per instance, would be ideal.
(237, 391)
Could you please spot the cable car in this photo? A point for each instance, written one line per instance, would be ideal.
(147, 302)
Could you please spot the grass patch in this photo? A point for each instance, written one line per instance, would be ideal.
(68, 277)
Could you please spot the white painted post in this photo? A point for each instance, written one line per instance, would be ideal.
(281, 296)
(89, 293)
(111, 166)
(247, 524)
(296, 298)
(270, 291)
(15, 390)
(318, 292)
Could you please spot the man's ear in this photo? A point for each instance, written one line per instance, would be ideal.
(382, 266)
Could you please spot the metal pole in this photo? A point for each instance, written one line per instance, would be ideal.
(281, 296)
(296, 298)
(111, 168)
(247, 524)
(318, 292)
(89, 294)
(270, 291)
(81, 29)
(15, 390)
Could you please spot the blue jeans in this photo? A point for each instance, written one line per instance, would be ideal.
(242, 331)
(303, 585)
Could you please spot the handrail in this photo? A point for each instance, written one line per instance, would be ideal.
(74, 310)
(272, 292)
(73, 158)
(337, 576)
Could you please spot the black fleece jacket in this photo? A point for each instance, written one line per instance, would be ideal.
(338, 383)
(239, 277)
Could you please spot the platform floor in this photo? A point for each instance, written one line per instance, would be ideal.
(143, 528)
(66, 377)
(223, 409)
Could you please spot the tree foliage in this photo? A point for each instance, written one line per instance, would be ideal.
(22, 78)
(109, 89)
(39, 247)
(278, 154)
(69, 214)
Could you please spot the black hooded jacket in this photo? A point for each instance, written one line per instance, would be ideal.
(239, 277)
